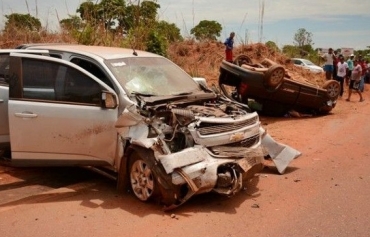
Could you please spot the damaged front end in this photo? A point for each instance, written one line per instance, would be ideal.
(197, 147)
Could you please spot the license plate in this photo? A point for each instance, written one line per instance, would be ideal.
(247, 163)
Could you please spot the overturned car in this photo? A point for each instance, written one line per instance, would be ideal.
(271, 88)
(135, 114)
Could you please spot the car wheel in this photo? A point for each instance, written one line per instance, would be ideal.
(332, 88)
(142, 179)
(242, 59)
(274, 76)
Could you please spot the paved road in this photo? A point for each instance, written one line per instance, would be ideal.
(324, 192)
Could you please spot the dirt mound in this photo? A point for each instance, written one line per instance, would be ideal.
(203, 59)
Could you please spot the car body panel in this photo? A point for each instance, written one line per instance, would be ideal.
(4, 128)
(54, 131)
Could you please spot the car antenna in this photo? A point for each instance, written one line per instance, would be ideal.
(134, 52)
(132, 47)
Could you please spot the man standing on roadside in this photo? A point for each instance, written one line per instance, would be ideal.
(350, 68)
(355, 81)
(328, 65)
(364, 69)
(229, 43)
(342, 68)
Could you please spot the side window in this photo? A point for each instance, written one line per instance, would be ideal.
(93, 69)
(44, 80)
(39, 79)
(80, 88)
(4, 69)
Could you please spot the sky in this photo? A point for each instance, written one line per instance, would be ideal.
(333, 23)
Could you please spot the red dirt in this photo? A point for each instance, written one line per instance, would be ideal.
(324, 192)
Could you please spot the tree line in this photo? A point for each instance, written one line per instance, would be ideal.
(137, 25)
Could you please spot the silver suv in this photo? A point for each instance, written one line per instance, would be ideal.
(163, 134)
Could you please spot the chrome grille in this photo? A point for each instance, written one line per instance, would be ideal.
(238, 149)
(214, 128)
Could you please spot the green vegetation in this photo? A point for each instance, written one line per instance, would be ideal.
(207, 30)
(134, 24)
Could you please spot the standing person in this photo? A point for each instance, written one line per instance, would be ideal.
(335, 63)
(355, 80)
(364, 69)
(342, 68)
(350, 68)
(229, 43)
(328, 65)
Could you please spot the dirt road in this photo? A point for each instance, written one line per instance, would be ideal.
(324, 192)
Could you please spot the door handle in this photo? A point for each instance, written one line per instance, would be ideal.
(25, 115)
(1, 101)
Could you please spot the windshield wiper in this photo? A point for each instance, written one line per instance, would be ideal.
(142, 94)
(183, 93)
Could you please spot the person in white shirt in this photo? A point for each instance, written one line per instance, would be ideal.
(342, 68)
(328, 65)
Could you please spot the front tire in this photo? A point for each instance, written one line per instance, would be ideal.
(142, 179)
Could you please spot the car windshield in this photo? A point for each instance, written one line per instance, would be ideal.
(152, 76)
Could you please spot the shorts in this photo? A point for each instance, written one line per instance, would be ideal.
(352, 84)
(349, 73)
(328, 68)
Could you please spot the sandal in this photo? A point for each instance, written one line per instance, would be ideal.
(362, 100)
(347, 99)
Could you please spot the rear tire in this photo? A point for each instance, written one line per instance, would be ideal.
(242, 59)
(274, 76)
(332, 88)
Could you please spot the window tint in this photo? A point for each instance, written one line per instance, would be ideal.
(80, 88)
(38, 79)
(46, 80)
(93, 69)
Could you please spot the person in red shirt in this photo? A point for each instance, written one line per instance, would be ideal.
(363, 73)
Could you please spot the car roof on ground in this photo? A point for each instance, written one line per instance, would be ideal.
(100, 51)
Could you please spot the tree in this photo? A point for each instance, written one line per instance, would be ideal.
(88, 11)
(291, 51)
(111, 12)
(71, 23)
(22, 22)
(156, 44)
(169, 31)
(207, 30)
(303, 37)
(272, 45)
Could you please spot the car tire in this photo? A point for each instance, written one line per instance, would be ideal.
(242, 59)
(332, 89)
(143, 182)
(274, 76)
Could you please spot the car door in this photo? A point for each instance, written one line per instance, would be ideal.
(55, 114)
(4, 93)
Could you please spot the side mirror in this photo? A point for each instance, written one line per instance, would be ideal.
(109, 100)
(201, 81)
